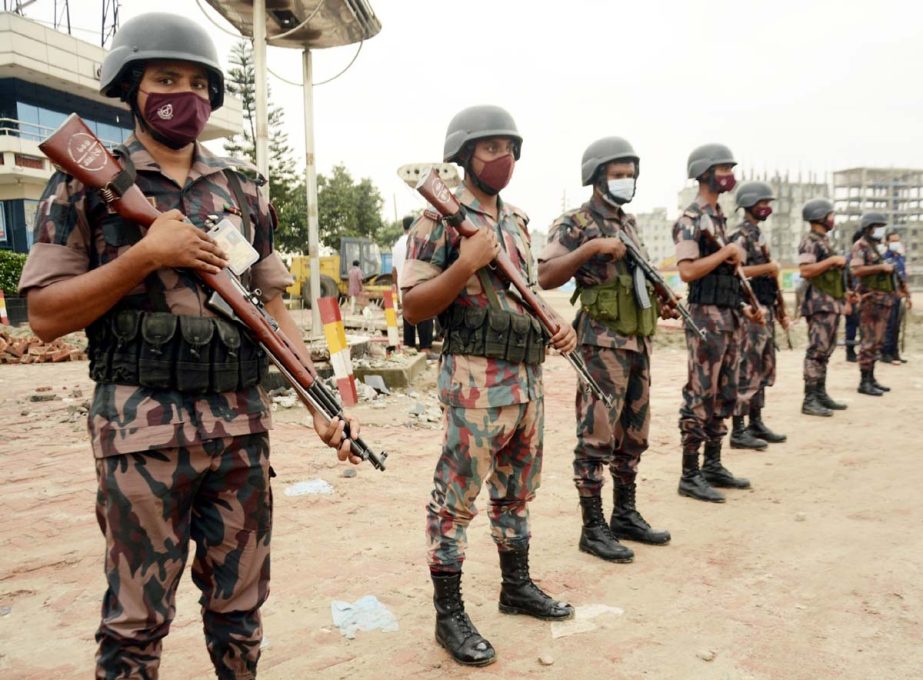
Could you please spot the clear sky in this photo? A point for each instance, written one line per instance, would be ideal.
(796, 85)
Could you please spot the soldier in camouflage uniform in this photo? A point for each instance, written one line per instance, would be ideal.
(178, 420)
(876, 288)
(823, 304)
(715, 304)
(614, 333)
(490, 379)
(758, 349)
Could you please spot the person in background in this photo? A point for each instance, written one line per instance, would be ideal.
(890, 353)
(355, 285)
(424, 329)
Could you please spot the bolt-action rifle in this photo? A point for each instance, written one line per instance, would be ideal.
(438, 195)
(781, 312)
(749, 295)
(661, 288)
(77, 151)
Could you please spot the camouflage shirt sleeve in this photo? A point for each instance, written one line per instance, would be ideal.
(807, 252)
(62, 241)
(431, 248)
(269, 274)
(860, 255)
(685, 236)
(564, 237)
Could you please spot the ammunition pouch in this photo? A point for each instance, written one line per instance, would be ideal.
(720, 287)
(614, 305)
(831, 283)
(764, 287)
(879, 281)
(493, 333)
(159, 350)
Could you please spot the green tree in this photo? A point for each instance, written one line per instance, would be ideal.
(345, 208)
(286, 192)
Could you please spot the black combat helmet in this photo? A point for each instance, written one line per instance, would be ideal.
(816, 209)
(478, 122)
(604, 151)
(871, 219)
(707, 156)
(751, 193)
(159, 36)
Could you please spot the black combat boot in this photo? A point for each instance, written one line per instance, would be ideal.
(718, 475)
(811, 406)
(758, 428)
(742, 438)
(866, 386)
(878, 385)
(851, 354)
(693, 484)
(595, 537)
(825, 399)
(454, 630)
(627, 523)
(520, 595)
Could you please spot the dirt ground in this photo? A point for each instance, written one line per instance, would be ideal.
(815, 573)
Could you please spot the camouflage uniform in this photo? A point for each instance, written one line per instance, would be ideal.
(757, 369)
(620, 364)
(710, 392)
(494, 409)
(821, 310)
(171, 465)
(874, 305)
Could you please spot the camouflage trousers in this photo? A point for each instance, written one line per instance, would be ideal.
(148, 506)
(710, 392)
(822, 328)
(757, 364)
(501, 445)
(614, 436)
(874, 311)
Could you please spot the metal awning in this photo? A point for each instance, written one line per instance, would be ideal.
(326, 23)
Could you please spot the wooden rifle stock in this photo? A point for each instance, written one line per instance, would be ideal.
(75, 149)
(434, 190)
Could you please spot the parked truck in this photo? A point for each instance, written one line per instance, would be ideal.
(334, 271)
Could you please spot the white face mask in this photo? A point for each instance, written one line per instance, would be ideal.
(878, 233)
(881, 248)
(896, 247)
(622, 190)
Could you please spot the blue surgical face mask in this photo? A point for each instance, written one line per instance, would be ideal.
(621, 190)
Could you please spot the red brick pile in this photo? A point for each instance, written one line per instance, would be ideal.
(28, 349)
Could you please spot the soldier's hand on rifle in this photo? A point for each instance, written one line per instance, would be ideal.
(565, 340)
(837, 261)
(612, 247)
(479, 250)
(668, 312)
(785, 322)
(755, 315)
(171, 242)
(332, 435)
(887, 267)
(732, 254)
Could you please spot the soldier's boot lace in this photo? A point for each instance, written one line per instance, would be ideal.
(878, 385)
(811, 406)
(596, 538)
(627, 523)
(758, 428)
(825, 399)
(454, 630)
(520, 595)
(866, 386)
(693, 484)
(742, 438)
(718, 475)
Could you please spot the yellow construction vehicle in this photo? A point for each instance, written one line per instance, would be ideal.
(334, 271)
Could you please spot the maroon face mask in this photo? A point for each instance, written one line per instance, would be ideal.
(723, 183)
(496, 174)
(761, 212)
(178, 118)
